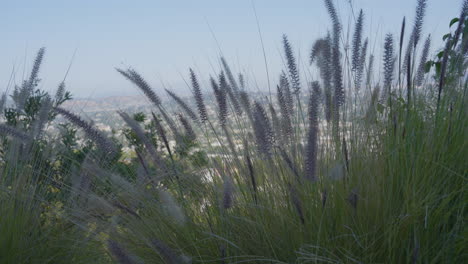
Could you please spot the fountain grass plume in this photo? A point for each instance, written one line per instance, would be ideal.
(13, 132)
(370, 70)
(198, 95)
(357, 43)
(161, 133)
(93, 134)
(22, 93)
(285, 122)
(233, 96)
(60, 93)
(220, 95)
(400, 50)
(339, 94)
(241, 81)
(286, 88)
(134, 77)
(189, 132)
(170, 123)
(3, 101)
(183, 105)
(327, 77)
(317, 49)
(292, 65)
(312, 136)
(228, 193)
(388, 65)
(277, 129)
(229, 75)
(35, 69)
(262, 130)
(416, 32)
(461, 23)
(245, 103)
(361, 66)
(171, 207)
(42, 116)
(418, 20)
(409, 49)
(231, 91)
(141, 135)
(322, 54)
(422, 63)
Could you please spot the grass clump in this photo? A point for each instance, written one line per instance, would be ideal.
(374, 175)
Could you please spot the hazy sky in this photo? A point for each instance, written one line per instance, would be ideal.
(162, 39)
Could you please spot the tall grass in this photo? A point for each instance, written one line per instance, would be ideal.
(375, 175)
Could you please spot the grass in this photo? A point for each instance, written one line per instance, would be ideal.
(338, 170)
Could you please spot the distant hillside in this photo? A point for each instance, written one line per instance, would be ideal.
(107, 104)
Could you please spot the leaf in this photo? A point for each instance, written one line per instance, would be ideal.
(139, 117)
(438, 66)
(440, 54)
(453, 21)
(428, 66)
(446, 36)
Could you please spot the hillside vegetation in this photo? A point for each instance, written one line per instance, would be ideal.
(357, 165)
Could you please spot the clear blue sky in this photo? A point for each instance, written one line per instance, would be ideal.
(162, 39)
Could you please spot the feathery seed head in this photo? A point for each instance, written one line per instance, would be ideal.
(220, 95)
(312, 137)
(228, 193)
(388, 64)
(35, 70)
(286, 124)
(422, 63)
(292, 66)
(262, 129)
(171, 207)
(361, 64)
(230, 76)
(285, 87)
(357, 39)
(60, 93)
(92, 133)
(11, 131)
(418, 20)
(183, 105)
(198, 97)
(3, 100)
(161, 133)
(140, 133)
(42, 116)
(141, 83)
(189, 132)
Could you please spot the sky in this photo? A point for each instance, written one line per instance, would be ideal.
(163, 39)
